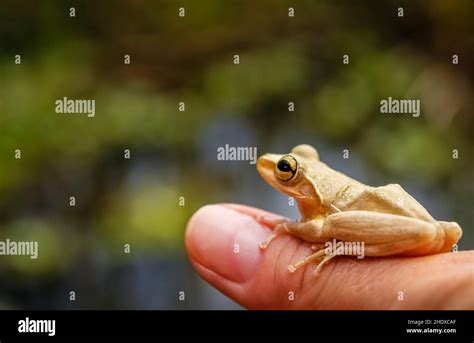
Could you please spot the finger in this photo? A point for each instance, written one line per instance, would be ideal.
(222, 242)
(264, 217)
(252, 211)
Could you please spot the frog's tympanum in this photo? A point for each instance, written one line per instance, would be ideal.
(335, 208)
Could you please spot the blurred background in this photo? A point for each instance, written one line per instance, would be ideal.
(283, 59)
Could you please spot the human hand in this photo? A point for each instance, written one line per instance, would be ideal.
(223, 245)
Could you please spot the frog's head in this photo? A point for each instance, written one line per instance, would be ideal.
(289, 173)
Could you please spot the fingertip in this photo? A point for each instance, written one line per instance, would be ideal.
(225, 241)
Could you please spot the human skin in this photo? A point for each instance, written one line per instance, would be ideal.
(223, 240)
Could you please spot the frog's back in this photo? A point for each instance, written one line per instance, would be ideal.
(332, 184)
(342, 193)
(392, 199)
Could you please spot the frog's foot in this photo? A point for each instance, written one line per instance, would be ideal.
(317, 255)
(325, 260)
(317, 246)
(271, 221)
(280, 228)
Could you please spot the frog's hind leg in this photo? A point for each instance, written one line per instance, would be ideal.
(412, 247)
(398, 234)
(308, 259)
(453, 233)
(317, 246)
(325, 260)
(315, 256)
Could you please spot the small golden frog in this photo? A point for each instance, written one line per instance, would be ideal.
(335, 207)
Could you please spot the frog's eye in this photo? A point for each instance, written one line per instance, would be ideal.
(286, 168)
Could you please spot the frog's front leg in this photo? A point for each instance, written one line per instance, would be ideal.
(280, 228)
(310, 231)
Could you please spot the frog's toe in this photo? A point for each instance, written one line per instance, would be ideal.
(316, 246)
(270, 220)
(321, 264)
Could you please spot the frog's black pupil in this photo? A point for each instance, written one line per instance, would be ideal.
(284, 166)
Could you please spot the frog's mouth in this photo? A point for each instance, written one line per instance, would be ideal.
(266, 166)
